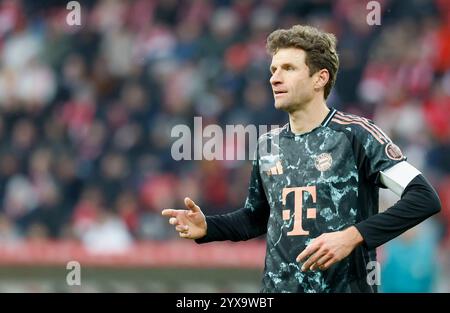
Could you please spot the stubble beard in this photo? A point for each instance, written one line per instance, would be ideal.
(287, 106)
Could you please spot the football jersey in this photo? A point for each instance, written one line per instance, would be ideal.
(305, 185)
(321, 181)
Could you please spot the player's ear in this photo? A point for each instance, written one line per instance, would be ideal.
(321, 79)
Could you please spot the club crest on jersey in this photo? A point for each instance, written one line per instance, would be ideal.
(393, 152)
(323, 162)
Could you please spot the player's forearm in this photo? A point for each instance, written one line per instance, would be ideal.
(235, 226)
(418, 202)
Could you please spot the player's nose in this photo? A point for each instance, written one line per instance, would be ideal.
(275, 79)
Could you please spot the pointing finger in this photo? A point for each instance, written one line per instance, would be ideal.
(168, 212)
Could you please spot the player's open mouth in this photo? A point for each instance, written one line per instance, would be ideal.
(279, 93)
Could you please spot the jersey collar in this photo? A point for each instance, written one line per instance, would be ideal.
(286, 131)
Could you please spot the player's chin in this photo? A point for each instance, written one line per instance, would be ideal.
(282, 105)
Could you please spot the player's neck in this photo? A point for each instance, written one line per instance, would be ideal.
(307, 118)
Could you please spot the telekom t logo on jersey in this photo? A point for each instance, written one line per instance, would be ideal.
(298, 230)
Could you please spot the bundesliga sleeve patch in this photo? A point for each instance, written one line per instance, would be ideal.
(393, 152)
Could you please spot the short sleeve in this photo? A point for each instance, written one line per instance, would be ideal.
(376, 152)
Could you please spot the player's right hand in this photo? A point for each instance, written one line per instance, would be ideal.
(190, 223)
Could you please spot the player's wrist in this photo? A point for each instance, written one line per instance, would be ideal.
(354, 236)
(204, 230)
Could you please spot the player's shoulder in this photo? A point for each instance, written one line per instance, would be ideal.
(358, 127)
(272, 134)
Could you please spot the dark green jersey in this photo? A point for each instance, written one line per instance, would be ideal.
(304, 185)
(322, 181)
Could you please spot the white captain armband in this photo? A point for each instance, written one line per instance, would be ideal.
(396, 178)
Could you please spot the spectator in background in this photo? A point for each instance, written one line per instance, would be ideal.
(102, 97)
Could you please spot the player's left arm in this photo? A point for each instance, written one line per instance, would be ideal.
(418, 202)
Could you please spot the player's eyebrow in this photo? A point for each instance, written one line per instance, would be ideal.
(273, 68)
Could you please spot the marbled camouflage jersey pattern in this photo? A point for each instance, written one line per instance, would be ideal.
(323, 181)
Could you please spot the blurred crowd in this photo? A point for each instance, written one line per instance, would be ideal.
(87, 111)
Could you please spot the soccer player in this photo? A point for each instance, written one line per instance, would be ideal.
(314, 193)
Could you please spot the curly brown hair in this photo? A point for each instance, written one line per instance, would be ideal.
(320, 48)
